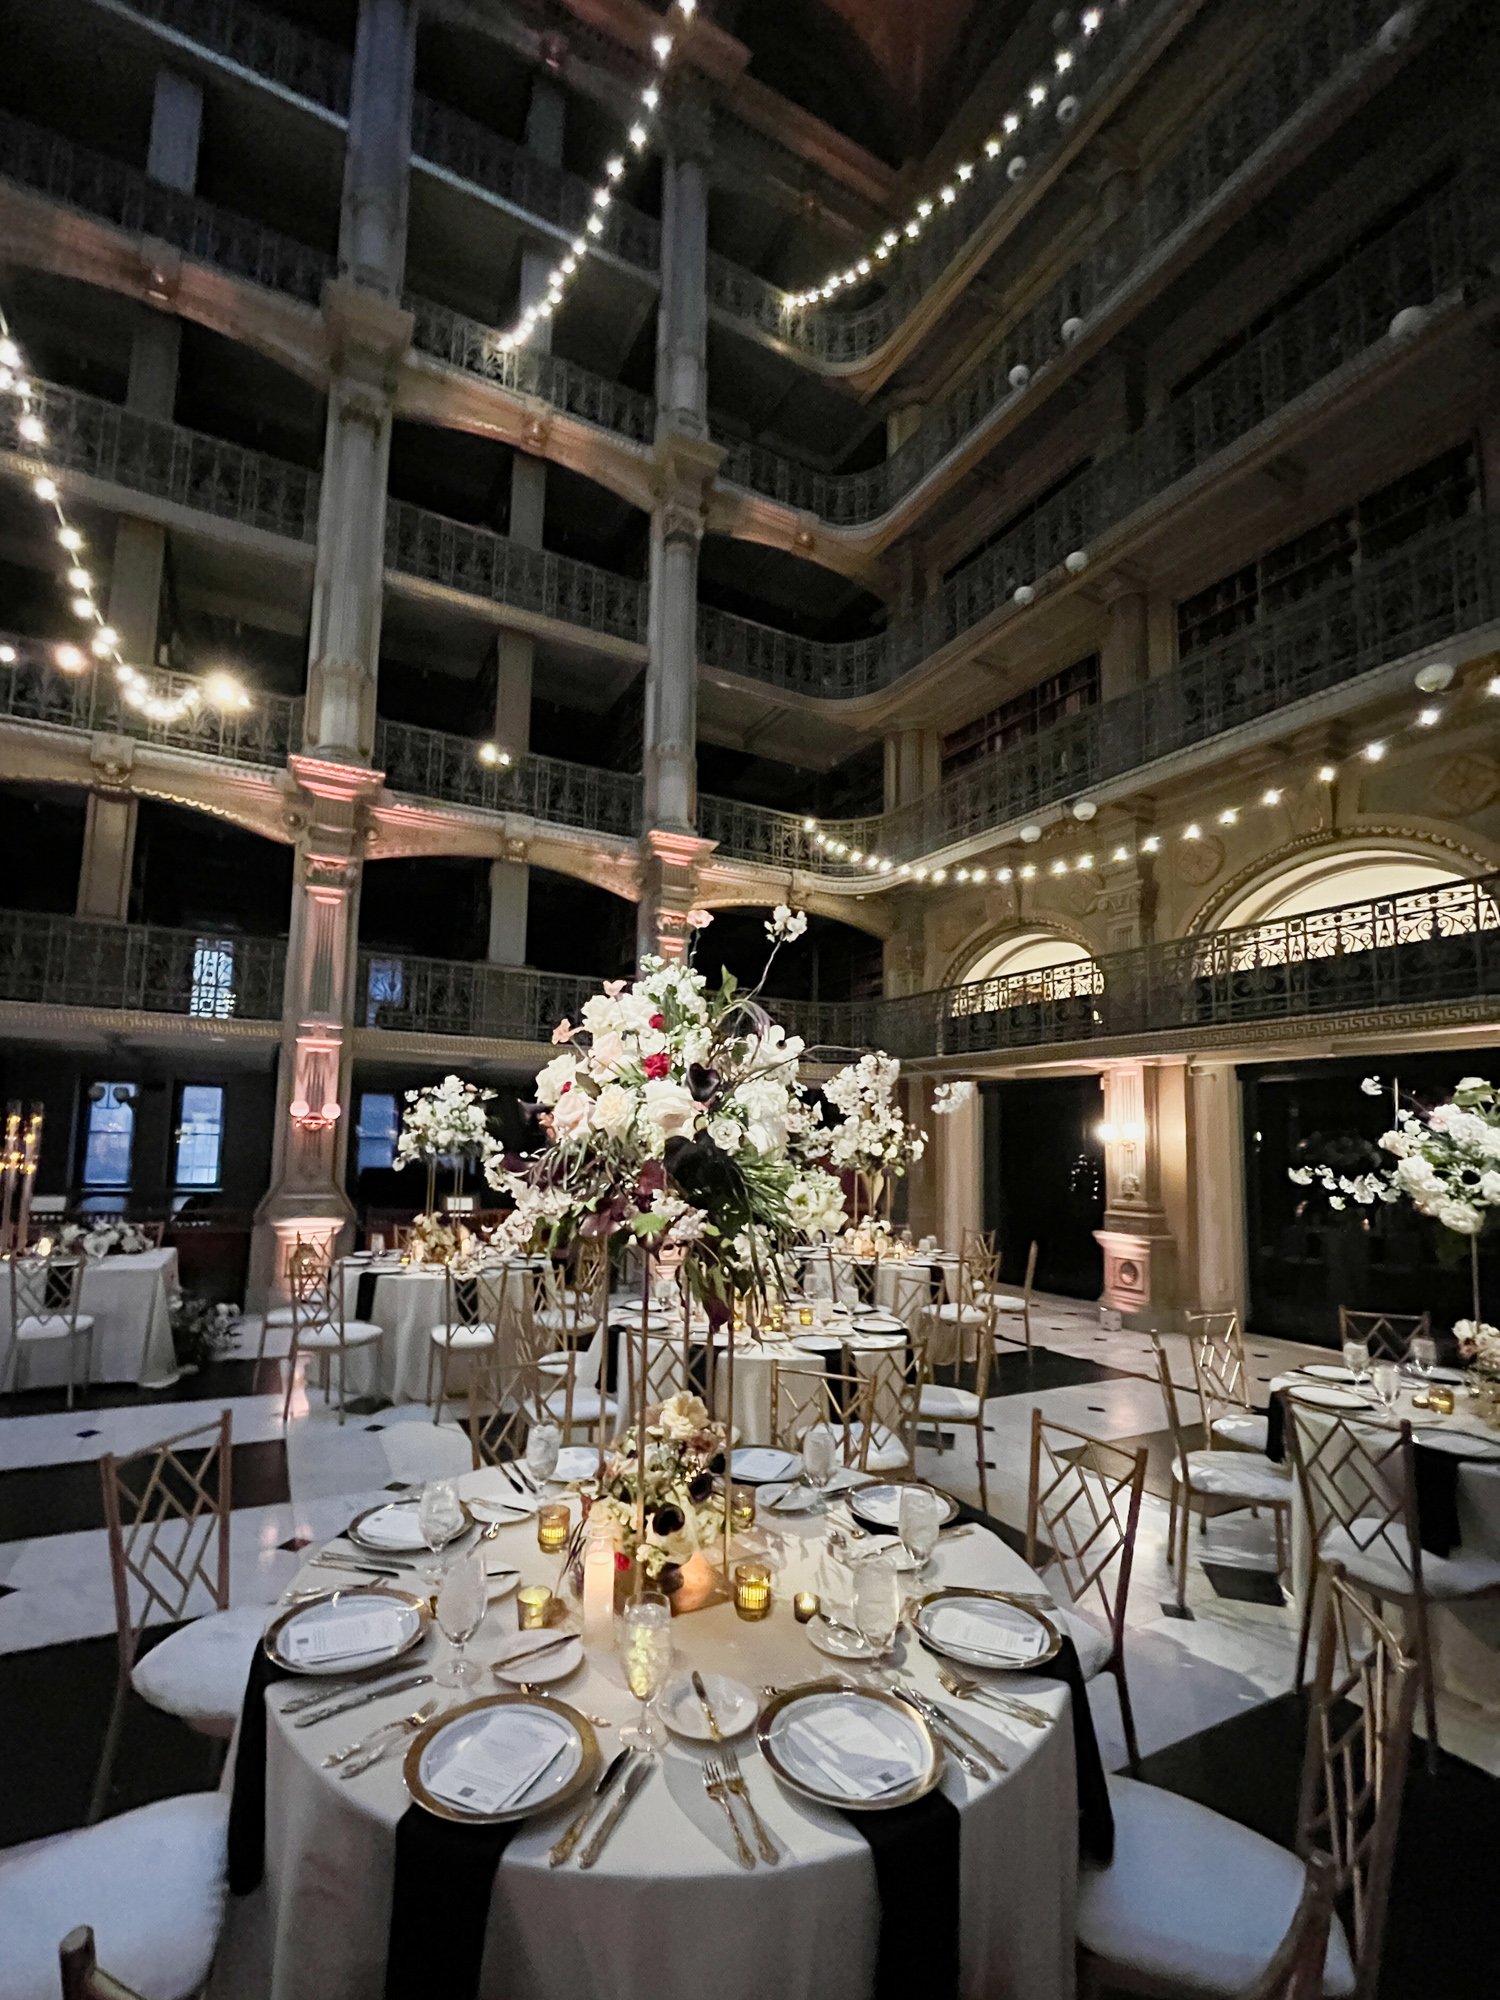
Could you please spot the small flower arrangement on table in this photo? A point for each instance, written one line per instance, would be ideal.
(678, 1473)
(103, 1239)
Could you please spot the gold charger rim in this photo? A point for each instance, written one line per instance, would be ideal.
(1016, 1603)
(832, 1684)
(352, 1534)
(588, 1763)
(378, 1590)
(853, 1493)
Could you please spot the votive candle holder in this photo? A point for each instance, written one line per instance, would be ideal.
(553, 1525)
(533, 1606)
(752, 1590)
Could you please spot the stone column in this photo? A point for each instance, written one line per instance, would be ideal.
(1147, 1215)
(331, 782)
(1216, 1142)
(510, 881)
(1125, 655)
(135, 574)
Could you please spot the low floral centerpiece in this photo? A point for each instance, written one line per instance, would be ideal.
(103, 1239)
(677, 1475)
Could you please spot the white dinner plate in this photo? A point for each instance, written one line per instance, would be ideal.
(1330, 1399)
(503, 1757)
(512, 1664)
(839, 1642)
(855, 1748)
(395, 1528)
(755, 1464)
(1327, 1371)
(1460, 1444)
(347, 1631)
(879, 1506)
(734, 1706)
(985, 1629)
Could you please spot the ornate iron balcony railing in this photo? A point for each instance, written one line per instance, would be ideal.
(431, 764)
(438, 996)
(34, 689)
(264, 43)
(54, 961)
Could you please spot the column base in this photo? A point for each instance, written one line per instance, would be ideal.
(1140, 1276)
(282, 1221)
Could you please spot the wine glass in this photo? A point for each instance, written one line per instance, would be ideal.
(543, 1443)
(462, 1598)
(1357, 1359)
(917, 1523)
(1385, 1379)
(836, 1586)
(1422, 1354)
(820, 1455)
(877, 1603)
(644, 1638)
(440, 1515)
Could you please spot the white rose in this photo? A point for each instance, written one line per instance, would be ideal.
(614, 1108)
(552, 1080)
(571, 1114)
(670, 1106)
(1459, 1217)
(725, 1134)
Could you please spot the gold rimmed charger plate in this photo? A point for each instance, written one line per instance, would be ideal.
(958, 1591)
(858, 1501)
(419, 1547)
(588, 1762)
(375, 1591)
(919, 1787)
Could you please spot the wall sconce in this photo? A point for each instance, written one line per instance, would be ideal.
(303, 1115)
(1133, 1132)
(1106, 1132)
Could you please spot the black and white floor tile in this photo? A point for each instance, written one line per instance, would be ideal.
(1212, 1705)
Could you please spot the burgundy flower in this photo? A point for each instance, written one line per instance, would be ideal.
(668, 1520)
(658, 1022)
(658, 1065)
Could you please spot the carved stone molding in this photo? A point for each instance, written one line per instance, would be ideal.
(1405, 839)
(112, 764)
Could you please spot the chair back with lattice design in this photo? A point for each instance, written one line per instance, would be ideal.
(1220, 1370)
(1354, 1770)
(1085, 1498)
(49, 1287)
(893, 1378)
(83, 1978)
(1296, 1972)
(506, 1381)
(319, 1305)
(828, 1273)
(1387, 1335)
(1180, 1445)
(668, 1365)
(166, 1516)
(1358, 1479)
(804, 1395)
(910, 1293)
(978, 1246)
(461, 1300)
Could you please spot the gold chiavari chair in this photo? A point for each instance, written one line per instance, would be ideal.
(979, 1247)
(306, 1260)
(668, 1363)
(828, 1273)
(568, 1344)
(911, 1294)
(943, 1403)
(1296, 1972)
(321, 1325)
(166, 1518)
(463, 1329)
(45, 1293)
(804, 1396)
(1010, 1304)
(1387, 1335)
(953, 1326)
(1358, 1482)
(1085, 1494)
(506, 1379)
(1139, 1932)
(886, 1430)
(1222, 1374)
(83, 1978)
(1216, 1482)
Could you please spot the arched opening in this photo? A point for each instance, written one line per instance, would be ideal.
(1024, 951)
(1324, 881)
(1026, 969)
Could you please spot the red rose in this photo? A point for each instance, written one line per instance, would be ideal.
(657, 1021)
(658, 1065)
(565, 1089)
(622, 1561)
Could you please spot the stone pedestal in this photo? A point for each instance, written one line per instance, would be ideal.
(1139, 1240)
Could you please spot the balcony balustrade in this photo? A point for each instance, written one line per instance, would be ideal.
(437, 996)
(55, 961)
(267, 44)
(431, 764)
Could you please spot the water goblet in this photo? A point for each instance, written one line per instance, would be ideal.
(543, 1443)
(440, 1515)
(1385, 1379)
(462, 1598)
(1357, 1360)
(917, 1523)
(644, 1639)
(836, 1587)
(877, 1603)
(820, 1456)
(1422, 1354)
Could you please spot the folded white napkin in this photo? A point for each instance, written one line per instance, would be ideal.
(851, 1752)
(393, 1528)
(314, 1640)
(495, 1766)
(999, 1632)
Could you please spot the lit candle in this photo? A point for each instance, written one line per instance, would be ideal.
(533, 1606)
(752, 1590)
(599, 1592)
(742, 1512)
(552, 1523)
(805, 1606)
(1440, 1401)
(44, 1246)
(804, 1315)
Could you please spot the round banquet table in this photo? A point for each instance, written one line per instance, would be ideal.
(130, 1299)
(406, 1301)
(668, 1913)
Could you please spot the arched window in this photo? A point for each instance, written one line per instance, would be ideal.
(1321, 882)
(1023, 968)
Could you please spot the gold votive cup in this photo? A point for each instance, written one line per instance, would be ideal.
(804, 1315)
(752, 1590)
(1441, 1400)
(776, 1317)
(553, 1525)
(533, 1606)
(742, 1512)
(805, 1606)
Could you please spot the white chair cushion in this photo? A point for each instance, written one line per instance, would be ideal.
(1006, 1302)
(476, 1335)
(1382, 1567)
(357, 1333)
(587, 1407)
(939, 1400)
(1236, 1475)
(151, 1883)
(1193, 1902)
(954, 1315)
(886, 1453)
(199, 1673)
(1243, 1428)
(53, 1326)
(279, 1316)
(1091, 1645)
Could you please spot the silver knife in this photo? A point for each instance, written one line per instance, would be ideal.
(359, 1700)
(941, 1719)
(332, 1690)
(634, 1779)
(364, 1568)
(386, 1557)
(519, 1659)
(573, 1833)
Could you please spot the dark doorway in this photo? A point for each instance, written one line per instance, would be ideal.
(1307, 1259)
(1044, 1180)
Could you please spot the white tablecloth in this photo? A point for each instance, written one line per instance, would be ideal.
(410, 1300)
(667, 1914)
(129, 1300)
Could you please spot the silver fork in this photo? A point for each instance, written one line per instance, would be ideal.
(967, 1689)
(717, 1787)
(384, 1740)
(734, 1777)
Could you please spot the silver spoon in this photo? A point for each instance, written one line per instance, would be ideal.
(972, 1690)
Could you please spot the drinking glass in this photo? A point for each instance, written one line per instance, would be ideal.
(543, 1443)
(820, 1456)
(440, 1515)
(877, 1603)
(1385, 1378)
(1357, 1359)
(917, 1523)
(836, 1587)
(1422, 1354)
(461, 1601)
(644, 1638)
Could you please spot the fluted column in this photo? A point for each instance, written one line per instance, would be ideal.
(1147, 1215)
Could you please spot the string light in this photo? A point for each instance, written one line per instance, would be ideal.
(1036, 105)
(221, 689)
(601, 197)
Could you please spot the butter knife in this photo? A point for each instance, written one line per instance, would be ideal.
(940, 1719)
(634, 1779)
(333, 1690)
(364, 1568)
(359, 1700)
(573, 1833)
(707, 1706)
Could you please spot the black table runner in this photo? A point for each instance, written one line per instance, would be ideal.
(1434, 1474)
(247, 1804)
(443, 1881)
(915, 1849)
(364, 1295)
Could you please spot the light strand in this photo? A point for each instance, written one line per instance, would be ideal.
(102, 642)
(1046, 97)
(601, 198)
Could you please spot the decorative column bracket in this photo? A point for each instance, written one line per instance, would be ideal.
(669, 890)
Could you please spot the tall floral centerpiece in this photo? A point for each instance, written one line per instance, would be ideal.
(873, 1139)
(447, 1121)
(1447, 1164)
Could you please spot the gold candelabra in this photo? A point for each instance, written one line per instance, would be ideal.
(18, 1164)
